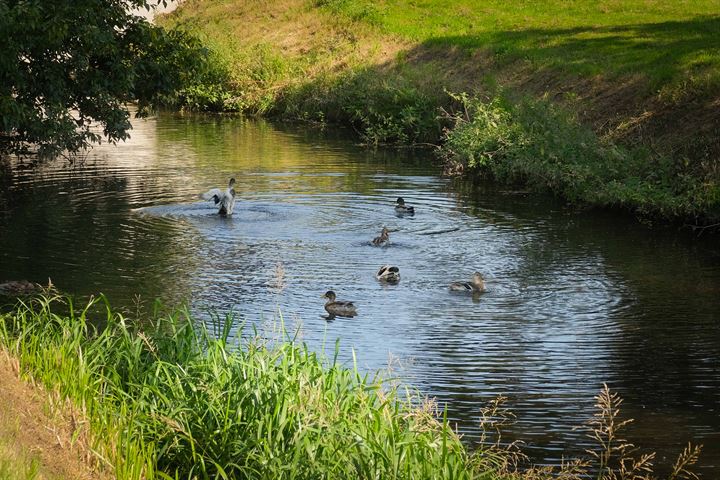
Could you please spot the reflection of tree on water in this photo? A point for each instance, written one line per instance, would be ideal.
(327, 162)
(76, 226)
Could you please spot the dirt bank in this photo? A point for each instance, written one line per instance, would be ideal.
(34, 442)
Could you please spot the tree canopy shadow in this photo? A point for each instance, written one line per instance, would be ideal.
(663, 51)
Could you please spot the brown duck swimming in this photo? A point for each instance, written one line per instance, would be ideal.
(383, 239)
(338, 308)
(476, 285)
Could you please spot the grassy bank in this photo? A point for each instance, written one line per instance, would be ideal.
(36, 440)
(163, 401)
(163, 397)
(639, 80)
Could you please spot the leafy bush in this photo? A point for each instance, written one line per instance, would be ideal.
(387, 111)
(391, 110)
(537, 143)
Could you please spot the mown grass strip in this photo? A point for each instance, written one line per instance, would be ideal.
(665, 41)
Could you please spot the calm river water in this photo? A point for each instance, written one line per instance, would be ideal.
(575, 298)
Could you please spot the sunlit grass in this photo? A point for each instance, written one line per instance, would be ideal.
(666, 41)
(165, 398)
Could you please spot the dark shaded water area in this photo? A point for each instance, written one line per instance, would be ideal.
(575, 298)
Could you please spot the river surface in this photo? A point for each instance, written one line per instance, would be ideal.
(575, 298)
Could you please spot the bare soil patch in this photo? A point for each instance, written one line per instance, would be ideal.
(29, 431)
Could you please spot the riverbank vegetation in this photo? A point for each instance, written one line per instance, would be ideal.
(68, 69)
(640, 81)
(162, 396)
(166, 396)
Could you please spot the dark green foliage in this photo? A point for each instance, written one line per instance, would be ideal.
(68, 68)
(388, 112)
(382, 110)
(536, 143)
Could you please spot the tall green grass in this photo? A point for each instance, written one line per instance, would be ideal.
(163, 397)
(166, 398)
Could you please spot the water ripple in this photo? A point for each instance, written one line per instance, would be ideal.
(573, 299)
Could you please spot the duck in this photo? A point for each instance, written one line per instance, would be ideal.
(383, 239)
(388, 274)
(338, 308)
(19, 287)
(403, 209)
(226, 199)
(476, 285)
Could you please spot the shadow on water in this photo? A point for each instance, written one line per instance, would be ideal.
(574, 299)
(656, 345)
(52, 212)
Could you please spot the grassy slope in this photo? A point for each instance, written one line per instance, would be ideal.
(628, 61)
(663, 40)
(640, 74)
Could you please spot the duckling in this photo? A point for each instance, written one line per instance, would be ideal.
(403, 209)
(476, 285)
(383, 239)
(337, 307)
(226, 199)
(388, 274)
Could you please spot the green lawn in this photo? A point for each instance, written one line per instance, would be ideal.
(665, 40)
